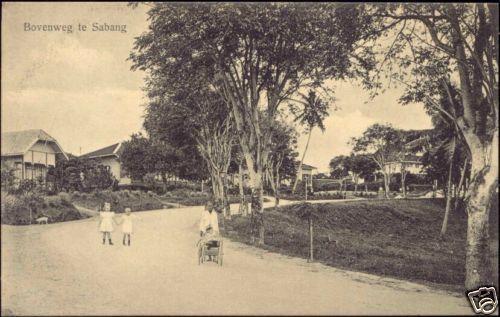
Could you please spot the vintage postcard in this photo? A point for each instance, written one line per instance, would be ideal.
(240, 158)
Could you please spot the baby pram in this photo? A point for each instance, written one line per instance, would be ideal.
(210, 248)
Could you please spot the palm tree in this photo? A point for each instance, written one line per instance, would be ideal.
(311, 114)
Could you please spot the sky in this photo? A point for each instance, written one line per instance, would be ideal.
(78, 86)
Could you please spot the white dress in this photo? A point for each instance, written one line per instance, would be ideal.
(127, 224)
(106, 221)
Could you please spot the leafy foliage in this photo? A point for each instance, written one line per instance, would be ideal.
(7, 175)
(80, 175)
(312, 111)
(339, 167)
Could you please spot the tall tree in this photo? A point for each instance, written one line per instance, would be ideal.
(439, 43)
(444, 150)
(339, 167)
(361, 166)
(256, 56)
(189, 114)
(381, 143)
(136, 156)
(311, 113)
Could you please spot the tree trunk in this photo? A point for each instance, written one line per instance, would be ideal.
(218, 191)
(484, 182)
(277, 191)
(311, 241)
(257, 210)
(258, 214)
(403, 180)
(448, 200)
(301, 162)
(387, 188)
(242, 191)
(460, 184)
(225, 200)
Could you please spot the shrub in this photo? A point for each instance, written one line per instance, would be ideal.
(121, 199)
(64, 196)
(315, 196)
(17, 209)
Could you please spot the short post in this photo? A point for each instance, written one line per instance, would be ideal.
(305, 183)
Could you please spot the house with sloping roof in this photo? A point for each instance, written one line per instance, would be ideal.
(411, 163)
(31, 153)
(110, 156)
(306, 173)
(413, 151)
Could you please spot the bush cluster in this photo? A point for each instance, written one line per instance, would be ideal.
(135, 199)
(16, 208)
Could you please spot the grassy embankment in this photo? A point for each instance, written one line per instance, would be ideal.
(142, 200)
(396, 238)
(16, 208)
(134, 199)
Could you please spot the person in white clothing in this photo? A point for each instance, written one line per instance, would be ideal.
(209, 225)
(209, 221)
(106, 220)
(127, 224)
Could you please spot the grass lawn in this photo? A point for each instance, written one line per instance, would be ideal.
(397, 238)
(194, 198)
(135, 199)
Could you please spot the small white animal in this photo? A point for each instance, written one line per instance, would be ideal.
(43, 220)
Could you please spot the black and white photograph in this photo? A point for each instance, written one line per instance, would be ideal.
(249, 158)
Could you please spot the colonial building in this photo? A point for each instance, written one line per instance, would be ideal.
(411, 164)
(30, 153)
(306, 173)
(110, 156)
(414, 149)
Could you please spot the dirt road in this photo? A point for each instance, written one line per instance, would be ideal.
(62, 269)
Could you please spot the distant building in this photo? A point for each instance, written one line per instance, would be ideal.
(415, 148)
(31, 153)
(306, 173)
(411, 163)
(110, 156)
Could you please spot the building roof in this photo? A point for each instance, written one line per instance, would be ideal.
(19, 142)
(306, 167)
(70, 155)
(111, 150)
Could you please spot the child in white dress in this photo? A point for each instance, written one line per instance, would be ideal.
(127, 224)
(106, 221)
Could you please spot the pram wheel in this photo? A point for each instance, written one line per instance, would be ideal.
(214, 253)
